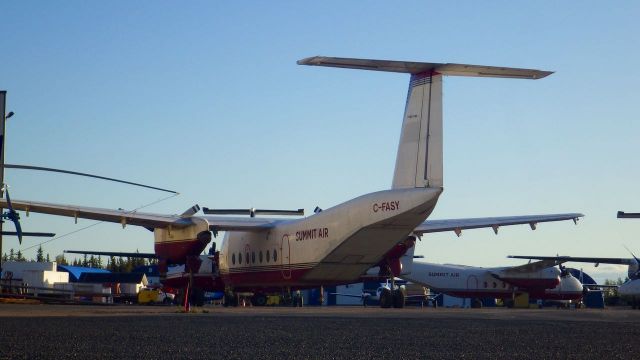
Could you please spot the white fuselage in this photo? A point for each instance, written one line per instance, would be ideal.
(471, 281)
(630, 288)
(334, 246)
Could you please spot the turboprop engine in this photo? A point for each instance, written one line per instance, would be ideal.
(181, 245)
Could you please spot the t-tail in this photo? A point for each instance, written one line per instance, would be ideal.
(419, 157)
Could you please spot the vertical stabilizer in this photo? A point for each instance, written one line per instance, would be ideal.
(419, 158)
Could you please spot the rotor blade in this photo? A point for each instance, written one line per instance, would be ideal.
(29, 234)
(40, 168)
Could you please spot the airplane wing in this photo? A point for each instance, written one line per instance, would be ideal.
(528, 268)
(136, 255)
(147, 220)
(595, 260)
(457, 225)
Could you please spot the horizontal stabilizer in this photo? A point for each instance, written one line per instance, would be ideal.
(421, 67)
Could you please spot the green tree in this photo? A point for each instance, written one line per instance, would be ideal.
(61, 260)
(40, 254)
(47, 259)
(19, 256)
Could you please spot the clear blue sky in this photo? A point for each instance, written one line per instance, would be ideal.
(206, 98)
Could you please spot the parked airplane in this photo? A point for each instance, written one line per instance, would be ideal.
(337, 245)
(541, 280)
(631, 287)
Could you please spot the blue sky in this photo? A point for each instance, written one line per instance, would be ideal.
(206, 98)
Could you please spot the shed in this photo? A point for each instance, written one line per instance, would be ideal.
(125, 283)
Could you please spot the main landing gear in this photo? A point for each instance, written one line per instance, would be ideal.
(392, 298)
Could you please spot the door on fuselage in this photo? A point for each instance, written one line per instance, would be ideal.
(285, 257)
(472, 282)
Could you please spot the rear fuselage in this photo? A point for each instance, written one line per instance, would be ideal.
(335, 246)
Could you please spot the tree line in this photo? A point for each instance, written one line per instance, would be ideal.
(113, 264)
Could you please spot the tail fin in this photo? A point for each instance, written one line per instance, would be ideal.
(419, 157)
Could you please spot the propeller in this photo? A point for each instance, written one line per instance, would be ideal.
(12, 215)
(635, 274)
(563, 270)
(15, 218)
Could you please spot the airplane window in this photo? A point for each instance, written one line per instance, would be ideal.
(233, 259)
(260, 256)
(494, 284)
(247, 258)
(504, 285)
(485, 284)
(253, 257)
(239, 258)
(268, 256)
(275, 255)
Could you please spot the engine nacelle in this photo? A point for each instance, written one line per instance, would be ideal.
(175, 245)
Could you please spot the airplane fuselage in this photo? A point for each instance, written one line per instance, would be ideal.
(474, 282)
(335, 246)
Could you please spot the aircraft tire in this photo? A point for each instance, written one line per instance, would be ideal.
(386, 298)
(476, 303)
(398, 299)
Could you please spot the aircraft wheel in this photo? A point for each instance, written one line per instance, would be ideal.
(386, 298)
(476, 303)
(259, 300)
(398, 299)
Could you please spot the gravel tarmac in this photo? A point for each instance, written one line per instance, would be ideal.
(347, 333)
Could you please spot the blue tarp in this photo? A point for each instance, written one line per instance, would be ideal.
(76, 271)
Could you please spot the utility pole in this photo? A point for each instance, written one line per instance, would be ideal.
(3, 112)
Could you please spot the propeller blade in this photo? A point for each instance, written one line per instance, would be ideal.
(632, 254)
(18, 230)
(13, 215)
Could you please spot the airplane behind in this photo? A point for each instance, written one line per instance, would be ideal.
(339, 244)
(631, 287)
(541, 280)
